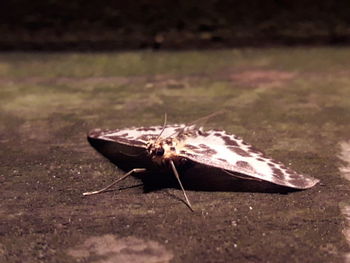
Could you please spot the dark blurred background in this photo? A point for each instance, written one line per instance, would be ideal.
(171, 24)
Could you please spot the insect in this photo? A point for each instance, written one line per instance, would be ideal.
(177, 146)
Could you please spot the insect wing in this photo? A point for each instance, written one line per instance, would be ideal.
(127, 148)
(140, 136)
(228, 152)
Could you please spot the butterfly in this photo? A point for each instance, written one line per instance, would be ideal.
(173, 147)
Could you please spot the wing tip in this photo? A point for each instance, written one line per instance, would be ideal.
(313, 182)
(304, 182)
(95, 133)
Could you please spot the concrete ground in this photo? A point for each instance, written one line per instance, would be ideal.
(294, 104)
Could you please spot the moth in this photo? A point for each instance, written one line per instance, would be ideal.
(178, 146)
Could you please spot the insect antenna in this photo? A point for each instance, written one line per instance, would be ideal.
(165, 120)
(204, 119)
(178, 179)
(198, 122)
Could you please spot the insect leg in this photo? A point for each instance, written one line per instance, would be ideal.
(178, 179)
(244, 177)
(136, 170)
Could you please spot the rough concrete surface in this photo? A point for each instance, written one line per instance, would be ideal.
(292, 103)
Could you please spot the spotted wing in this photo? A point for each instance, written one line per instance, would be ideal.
(218, 149)
(135, 136)
(127, 148)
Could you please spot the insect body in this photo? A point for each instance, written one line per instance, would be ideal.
(171, 146)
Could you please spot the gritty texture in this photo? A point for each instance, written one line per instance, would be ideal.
(109, 249)
(292, 103)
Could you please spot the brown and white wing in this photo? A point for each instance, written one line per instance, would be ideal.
(127, 148)
(135, 136)
(228, 152)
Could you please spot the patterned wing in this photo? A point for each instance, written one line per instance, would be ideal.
(135, 136)
(229, 152)
(127, 148)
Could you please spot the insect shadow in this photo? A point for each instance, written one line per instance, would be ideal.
(209, 179)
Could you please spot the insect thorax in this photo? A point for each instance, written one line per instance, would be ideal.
(164, 149)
